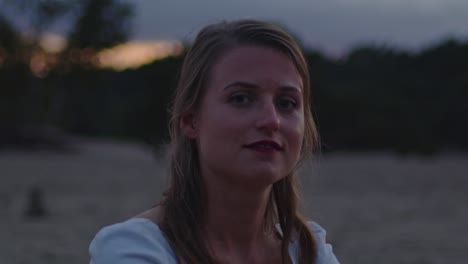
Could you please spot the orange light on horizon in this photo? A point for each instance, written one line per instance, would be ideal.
(128, 55)
(135, 54)
(52, 43)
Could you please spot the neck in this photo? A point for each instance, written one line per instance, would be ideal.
(235, 218)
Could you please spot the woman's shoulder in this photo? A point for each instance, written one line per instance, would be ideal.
(317, 229)
(325, 253)
(135, 241)
(324, 249)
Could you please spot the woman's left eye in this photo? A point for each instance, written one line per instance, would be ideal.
(287, 103)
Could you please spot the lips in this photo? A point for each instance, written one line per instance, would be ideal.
(266, 145)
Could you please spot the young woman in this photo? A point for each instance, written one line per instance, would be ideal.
(241, 123)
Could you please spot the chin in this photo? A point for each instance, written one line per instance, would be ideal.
(262, 177)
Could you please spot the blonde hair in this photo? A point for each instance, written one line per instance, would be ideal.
(184, 201)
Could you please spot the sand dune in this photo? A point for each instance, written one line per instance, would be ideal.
(377, 208)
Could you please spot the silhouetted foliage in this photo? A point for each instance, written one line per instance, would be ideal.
(9, 38)
(101, 24)
(130, 104)
(10, 96)
(379, 98)
(32, 93)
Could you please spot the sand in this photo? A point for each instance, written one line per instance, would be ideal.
(376, 207)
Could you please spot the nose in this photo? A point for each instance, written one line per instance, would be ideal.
(268, 118)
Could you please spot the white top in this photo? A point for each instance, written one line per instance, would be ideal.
(140, 241)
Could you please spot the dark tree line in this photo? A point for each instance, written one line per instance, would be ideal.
(375, 98)
(379, 98)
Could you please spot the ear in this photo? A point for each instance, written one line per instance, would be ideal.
(188, 125)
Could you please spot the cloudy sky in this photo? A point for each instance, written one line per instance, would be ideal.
(334, 26)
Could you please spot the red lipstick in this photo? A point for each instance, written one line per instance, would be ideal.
(265, 146)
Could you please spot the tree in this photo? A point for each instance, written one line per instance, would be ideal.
(96, 24)
(101, 24)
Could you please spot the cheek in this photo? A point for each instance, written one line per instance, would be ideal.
(296, 136)
(220, 128)
(219, 122)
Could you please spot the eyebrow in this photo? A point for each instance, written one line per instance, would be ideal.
(255, 86)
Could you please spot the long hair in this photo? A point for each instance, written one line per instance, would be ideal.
(184, 201)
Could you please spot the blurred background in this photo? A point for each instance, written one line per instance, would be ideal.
(84, 92)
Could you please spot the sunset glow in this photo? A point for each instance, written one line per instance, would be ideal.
(52, 43)
(128, 55)
(136, 54)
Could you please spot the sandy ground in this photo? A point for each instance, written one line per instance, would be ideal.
(377, 208)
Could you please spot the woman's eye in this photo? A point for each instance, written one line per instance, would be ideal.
(287, 104)
(240, 99)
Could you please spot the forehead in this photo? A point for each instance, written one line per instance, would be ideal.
(256, 64)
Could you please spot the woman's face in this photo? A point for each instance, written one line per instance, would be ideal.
(250, 124)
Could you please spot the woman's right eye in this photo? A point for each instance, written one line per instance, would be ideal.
(240, 99)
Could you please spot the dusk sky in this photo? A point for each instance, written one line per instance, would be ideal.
(333, 26)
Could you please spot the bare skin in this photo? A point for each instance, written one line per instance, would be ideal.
(235, 229)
